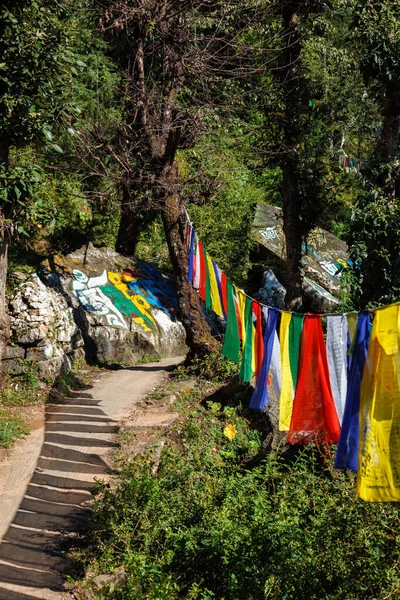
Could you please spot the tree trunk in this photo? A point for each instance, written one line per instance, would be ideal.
(388, 146)
(293, 236)
(198, 334)
(130, 224)
(4, 318)
(389, 142)
(292, 82)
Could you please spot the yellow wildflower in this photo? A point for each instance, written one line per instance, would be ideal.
(230, 432)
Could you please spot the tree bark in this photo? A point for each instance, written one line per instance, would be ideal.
(293, 236)
(130, 224)
(388, 146)
(389, 142)
(4, 235)
(292, 83)
(198, 334)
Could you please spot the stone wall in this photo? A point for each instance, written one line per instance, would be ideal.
(43, 330)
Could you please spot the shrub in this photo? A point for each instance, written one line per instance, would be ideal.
(209, 526)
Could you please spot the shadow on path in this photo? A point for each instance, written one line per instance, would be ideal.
(78, 438)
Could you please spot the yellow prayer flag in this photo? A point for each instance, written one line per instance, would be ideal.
(241, 296)
(287, 392)
(378, 477)
(214, 291)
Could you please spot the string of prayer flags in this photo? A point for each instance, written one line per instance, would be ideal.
(260, 395)
(347, 391)
(347, 451)
(231, 347)
(314, 416)
(378, 476)
(336, 348)
(246, 367)
(287, 391)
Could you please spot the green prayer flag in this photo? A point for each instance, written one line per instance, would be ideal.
(231, 345)
(295, 329)
(246, 370)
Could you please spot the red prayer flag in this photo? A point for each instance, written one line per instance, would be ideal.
(314, 417)
(259, 341)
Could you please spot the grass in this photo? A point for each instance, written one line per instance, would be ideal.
(11, 428)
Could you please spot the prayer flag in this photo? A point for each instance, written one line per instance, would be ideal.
(246, 369)
(275, 370)
(202, 272)
(260, 394)
(224, 292)
(347, 452)
(295, 329)
(287, 391)
(213, 301)
(218, 277)
(378, 477)
(258, 335)
(191, 254)
(241, 297)
(231, 345)
(196, 269)
(336, 349)
(352, 324)
(314, 416)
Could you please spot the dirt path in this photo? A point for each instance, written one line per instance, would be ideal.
(51, 473)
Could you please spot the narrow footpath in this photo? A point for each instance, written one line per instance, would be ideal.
(51, 474)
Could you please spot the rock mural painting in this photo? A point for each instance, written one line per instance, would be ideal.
(325, 257)
(133, 293)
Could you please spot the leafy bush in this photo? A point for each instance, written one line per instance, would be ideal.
(209, 526)
(214, 367)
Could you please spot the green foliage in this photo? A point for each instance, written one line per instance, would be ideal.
(376, 30)
(11, 428)
(225, 192)
(213, 367)
(36, 57)
(375, 240)
(152, 246)
(208, 526)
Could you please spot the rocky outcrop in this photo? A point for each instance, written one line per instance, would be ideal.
(325, 257)
(117, 308)
(43, 331)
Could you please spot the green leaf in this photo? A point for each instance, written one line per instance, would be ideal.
(48, 134)
(57, 148)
